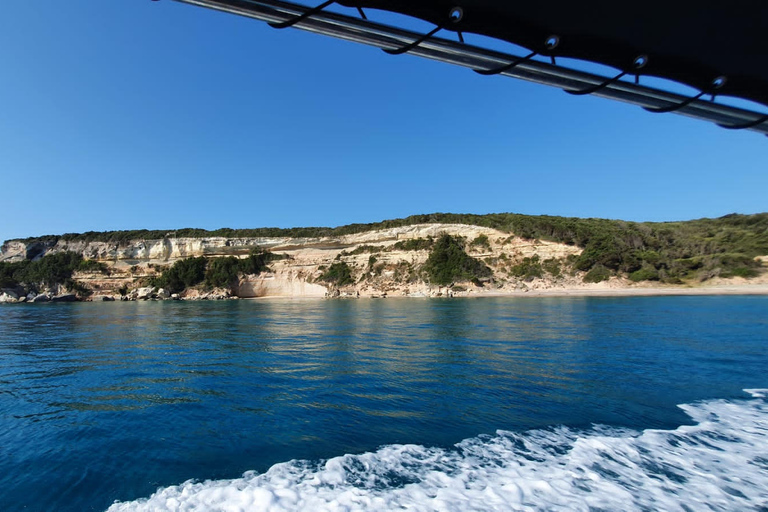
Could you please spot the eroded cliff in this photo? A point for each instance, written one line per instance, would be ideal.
(380, 262)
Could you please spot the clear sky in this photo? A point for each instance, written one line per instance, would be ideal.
(129, 114)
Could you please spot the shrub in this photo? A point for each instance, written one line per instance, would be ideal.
(745, 272)
(448, 262)
(222, 272)
(597, 274)
(50, 270)
(338, 273)
(182, 274)
(92, 266)
(552, 266)
(257, 261)
(363, 248)
(413, 244)
(646, 273)
(215, 272)
(528, 269)
(481, 242)
(79, 289)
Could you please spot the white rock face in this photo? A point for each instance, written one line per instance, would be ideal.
(281, 285)
(13, 251)
(169, 249)
(144, 293)
(157, 251)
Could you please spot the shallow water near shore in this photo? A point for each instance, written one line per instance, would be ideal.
(483, 404)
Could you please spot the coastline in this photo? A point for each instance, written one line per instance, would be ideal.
(614, 290)
(640, 291)
(734, 289)
(384, 263)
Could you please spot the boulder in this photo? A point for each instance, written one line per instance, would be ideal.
(107, 298)
(43, 297)
(145, 293)
(6, 297)
(175, 296)
(162, 293)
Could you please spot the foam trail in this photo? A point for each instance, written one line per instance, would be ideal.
(721, 463)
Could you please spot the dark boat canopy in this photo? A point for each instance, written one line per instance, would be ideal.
(719, 48)
(714, 46)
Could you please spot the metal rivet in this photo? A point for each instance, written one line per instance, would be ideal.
(718, 82)
(551, 42)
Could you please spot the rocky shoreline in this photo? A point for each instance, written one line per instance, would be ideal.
(155, 294)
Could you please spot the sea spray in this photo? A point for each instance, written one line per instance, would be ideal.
(719, 463)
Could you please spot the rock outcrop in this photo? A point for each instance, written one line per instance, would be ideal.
(8, 296)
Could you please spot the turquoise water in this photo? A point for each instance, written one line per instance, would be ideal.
(484, 404)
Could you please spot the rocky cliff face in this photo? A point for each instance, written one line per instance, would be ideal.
(378, 266)
(137, 251)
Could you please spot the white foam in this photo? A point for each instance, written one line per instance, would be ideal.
(721, 463)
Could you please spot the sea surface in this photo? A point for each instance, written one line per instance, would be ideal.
(593, 404)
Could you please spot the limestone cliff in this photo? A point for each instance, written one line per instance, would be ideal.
(380, 263)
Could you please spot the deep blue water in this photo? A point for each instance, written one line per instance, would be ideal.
(110, 401)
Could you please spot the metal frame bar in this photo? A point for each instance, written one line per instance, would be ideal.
(387, 37)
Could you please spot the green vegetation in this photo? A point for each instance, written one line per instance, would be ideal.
(92, 266)
(50, 270)
(222, 272)
(214, 272)
(597, 274)
(257, 261)
(362, 249)
(741, 272)
(552, 266)
(338, 273)
(182, 274)
(413, 244)
(481, 242)
(698, 249)
(528, 269)
(448, 262)
(646, 273)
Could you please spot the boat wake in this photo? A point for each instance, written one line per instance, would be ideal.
(720, 463)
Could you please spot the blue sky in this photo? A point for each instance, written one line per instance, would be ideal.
(129, 114)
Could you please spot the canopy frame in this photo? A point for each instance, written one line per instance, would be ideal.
(487, 61)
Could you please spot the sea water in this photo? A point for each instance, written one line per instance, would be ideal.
(653, 403)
